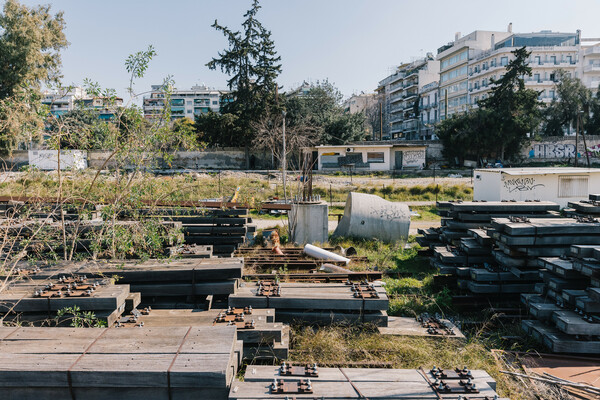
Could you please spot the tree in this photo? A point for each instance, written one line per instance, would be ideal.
(321, 108)
(573, 99)
(515, 110)
(270, 135)
(30, 41)
(252, 63)
(501, 124)
(29, 47)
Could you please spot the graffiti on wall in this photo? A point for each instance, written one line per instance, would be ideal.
(413, 157)
(521, 184)
(552, 150)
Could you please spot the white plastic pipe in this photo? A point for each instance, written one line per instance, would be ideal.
(319, 253)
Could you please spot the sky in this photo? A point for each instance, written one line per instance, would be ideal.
(352, 43)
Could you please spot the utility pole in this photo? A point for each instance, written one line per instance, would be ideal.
(577, 140)
(283, 160)
(585, 148)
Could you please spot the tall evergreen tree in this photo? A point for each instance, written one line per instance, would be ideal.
(500, 125)
(252, 63)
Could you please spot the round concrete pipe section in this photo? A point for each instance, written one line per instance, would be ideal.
(371, 217)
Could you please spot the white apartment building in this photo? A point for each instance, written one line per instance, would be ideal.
(590, 62)
(550, 51)
(454, 70)
(60, 102)
(400, 97)
(183, 103)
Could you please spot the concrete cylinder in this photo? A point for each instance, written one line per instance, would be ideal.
(371, 217)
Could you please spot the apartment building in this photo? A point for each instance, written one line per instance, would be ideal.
(454, 67)
(399, 94)
(590, 63)
(550, 51)
(183, 103)
(359, 102)
(60, 103)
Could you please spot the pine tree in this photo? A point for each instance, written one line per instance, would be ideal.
(252, 63)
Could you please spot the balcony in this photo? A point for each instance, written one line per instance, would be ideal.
(595, 67)
(592, 50)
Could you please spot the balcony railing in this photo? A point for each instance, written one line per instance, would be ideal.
(591, 67)
(592, 50)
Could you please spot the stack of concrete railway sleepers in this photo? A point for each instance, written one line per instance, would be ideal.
(316, 303)
(584, 208)
(225, 230)
(468, 253)
(264, 339)
(566, 307)
(161, 363)
(312, 382)
(176, 283)
(34, 297)
(460, 216)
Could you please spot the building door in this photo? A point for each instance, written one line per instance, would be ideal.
(398, 160)
(314, 160)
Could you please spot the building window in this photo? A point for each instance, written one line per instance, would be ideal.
(552, 94)
(215, 102)
(504, 61)
(538, 60)
(553, 60)
(375, 157)
(572, 186)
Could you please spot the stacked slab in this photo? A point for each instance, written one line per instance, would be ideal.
(566, 306)
(105, 363)
(319, 303)
(263, 338)
(310, 382)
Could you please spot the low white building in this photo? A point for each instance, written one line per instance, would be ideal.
(370, 157)
(560, 185)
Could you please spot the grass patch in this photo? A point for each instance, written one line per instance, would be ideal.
(348, 346)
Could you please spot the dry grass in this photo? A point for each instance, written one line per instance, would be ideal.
(349, 346)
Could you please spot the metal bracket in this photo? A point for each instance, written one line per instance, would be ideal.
(364, 291)
(282, 387)
(239, 311)
(269, 289)
(460, 386)
(435, 326)
(439, 373)
(224, 317)
(292, 370)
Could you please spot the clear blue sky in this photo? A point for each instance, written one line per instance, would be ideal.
(353, 43)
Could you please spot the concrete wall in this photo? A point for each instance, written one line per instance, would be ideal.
(561, 148)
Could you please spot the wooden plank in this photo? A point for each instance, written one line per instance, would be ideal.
(296, 316)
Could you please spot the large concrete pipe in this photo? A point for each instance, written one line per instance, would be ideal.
(371, 217)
